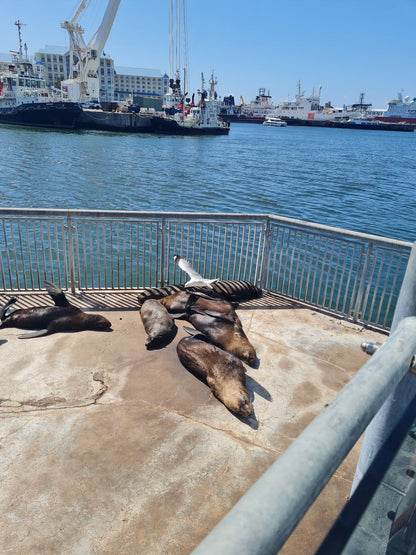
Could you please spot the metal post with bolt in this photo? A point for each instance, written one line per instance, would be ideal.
(389, 414)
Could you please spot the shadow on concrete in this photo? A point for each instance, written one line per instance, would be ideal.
(254, 387)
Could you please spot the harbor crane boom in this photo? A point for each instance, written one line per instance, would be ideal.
(83, 82)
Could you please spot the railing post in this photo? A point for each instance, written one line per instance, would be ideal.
(265, 254)
(390, 413)
(360, 294)
(71, 254)
(162, 252)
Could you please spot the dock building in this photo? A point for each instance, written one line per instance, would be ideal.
(139, 82)
(116, 83)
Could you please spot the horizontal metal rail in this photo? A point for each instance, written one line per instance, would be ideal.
(350, 274)
(263, 519)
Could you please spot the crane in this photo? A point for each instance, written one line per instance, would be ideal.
(83, 84)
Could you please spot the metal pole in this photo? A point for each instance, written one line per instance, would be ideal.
(265, 254)
(263, 519)
(392, 410)
(71, 254)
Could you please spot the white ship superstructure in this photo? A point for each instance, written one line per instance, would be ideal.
(309, 108)
(26, 100)
(260, 107)
(400, 110)
(23, 82)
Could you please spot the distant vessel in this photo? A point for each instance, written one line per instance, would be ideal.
(272, 121)
(309, 108)
(25, 99)
(260, 107)
(400, 110)
(255, 111)
(181, 114)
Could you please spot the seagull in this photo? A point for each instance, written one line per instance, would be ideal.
(196, 279)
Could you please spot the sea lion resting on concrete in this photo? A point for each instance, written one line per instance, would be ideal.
(158, 324)
(177, 303)
(223, 372)
(239, 290)
(50, 319)
(223, 331)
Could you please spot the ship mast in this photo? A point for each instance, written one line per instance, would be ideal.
(19, 54)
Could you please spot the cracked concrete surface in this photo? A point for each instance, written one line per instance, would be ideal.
(109, 448)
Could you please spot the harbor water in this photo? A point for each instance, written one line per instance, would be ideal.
(353, 179)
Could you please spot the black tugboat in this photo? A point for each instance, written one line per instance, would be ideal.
(25, 99)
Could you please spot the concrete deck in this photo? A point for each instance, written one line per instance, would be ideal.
(108, 448)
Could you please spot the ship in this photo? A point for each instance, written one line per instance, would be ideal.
(255, 111)
(24, 98)
(308, 108)
(182, 116)
(400, 110)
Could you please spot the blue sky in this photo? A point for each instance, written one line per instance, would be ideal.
(347, 46)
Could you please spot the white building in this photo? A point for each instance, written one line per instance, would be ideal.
(129, 81)
(116, 83)
(55, 61)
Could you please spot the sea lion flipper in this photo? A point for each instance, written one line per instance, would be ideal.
(58, 296)
(219, 315)
(37, 333)
(195, 333)
(4, 310)
(179, 315)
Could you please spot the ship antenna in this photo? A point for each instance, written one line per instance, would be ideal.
(19, 25)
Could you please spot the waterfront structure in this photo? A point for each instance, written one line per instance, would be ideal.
(130, 81)
(106, 77)
(54, 60)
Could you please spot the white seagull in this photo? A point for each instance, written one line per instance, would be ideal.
(196, 279)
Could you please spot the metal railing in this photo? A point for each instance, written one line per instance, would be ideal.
(263, 519)
(347, 273)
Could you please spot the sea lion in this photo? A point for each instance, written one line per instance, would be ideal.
(226, 289)
(223, 331)
(223, 372)
(158, 324)
(177, 303)
(50, 319)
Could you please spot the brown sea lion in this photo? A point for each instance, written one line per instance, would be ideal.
(224, 332)
(231, 290)
(223, 372)
(50, 319)
(158, 324)
(178, 302)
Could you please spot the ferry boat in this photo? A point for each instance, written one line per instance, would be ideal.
(400, 110)
(274, 122)
(25, 99)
